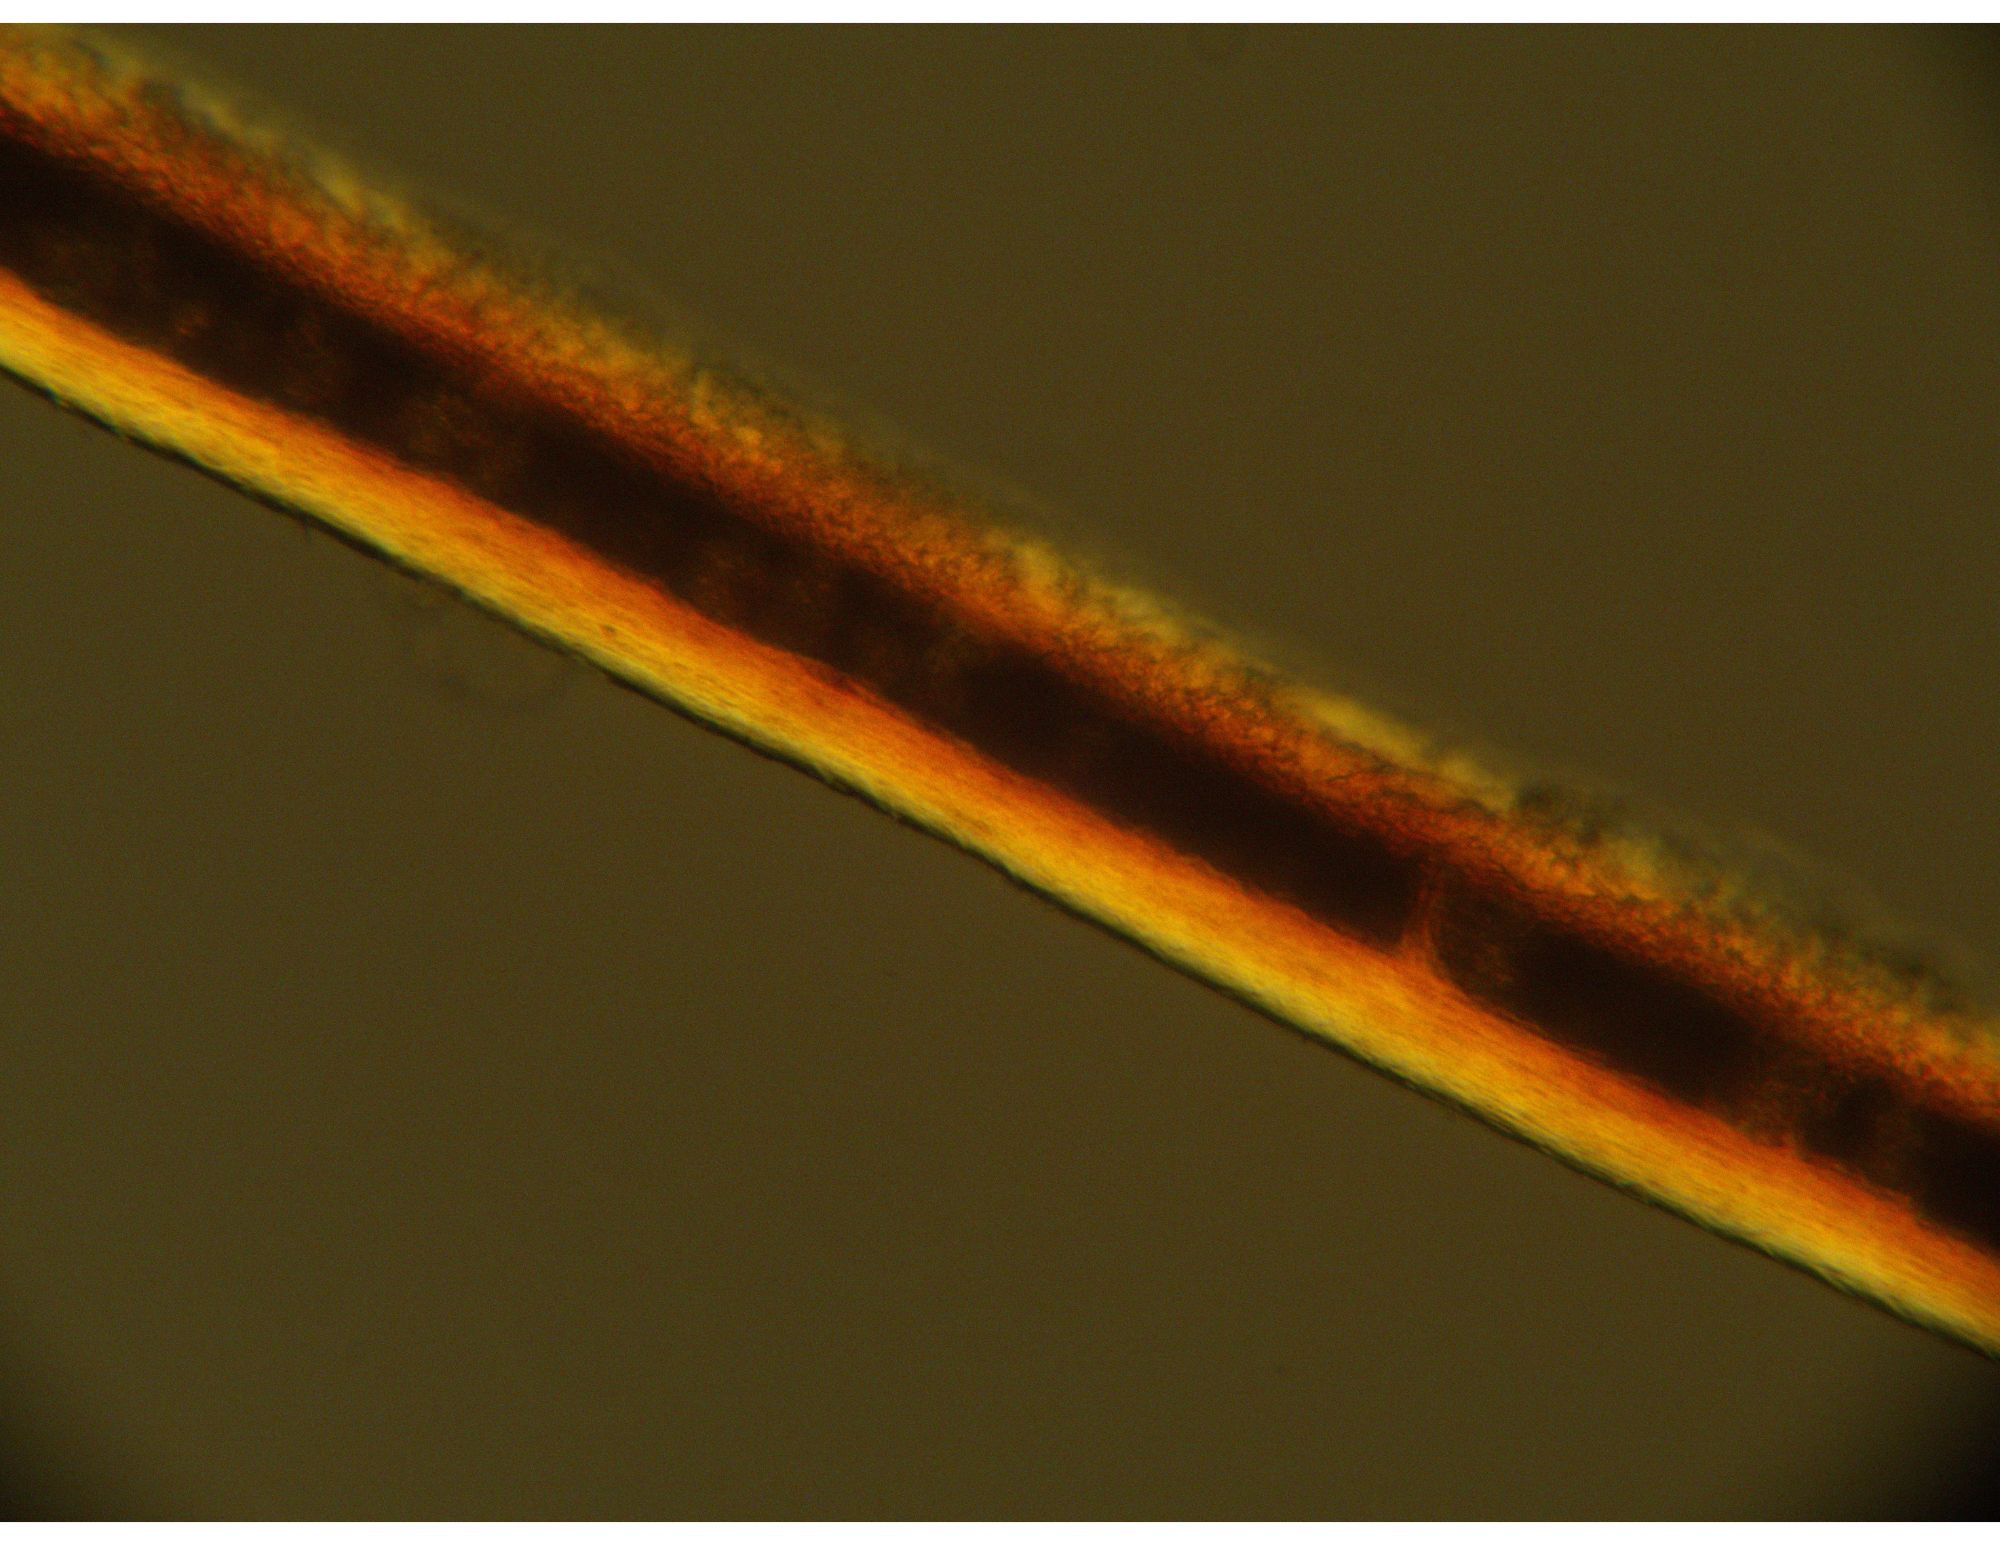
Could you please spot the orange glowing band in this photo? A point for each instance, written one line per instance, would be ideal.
(269, 318)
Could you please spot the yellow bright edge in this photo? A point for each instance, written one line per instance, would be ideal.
(1394, 1012)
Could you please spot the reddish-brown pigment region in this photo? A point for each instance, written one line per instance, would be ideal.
(270, 319)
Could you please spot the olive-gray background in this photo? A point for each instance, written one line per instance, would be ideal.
(442, 1083)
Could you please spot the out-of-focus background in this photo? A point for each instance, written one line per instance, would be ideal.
(439, 1082)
